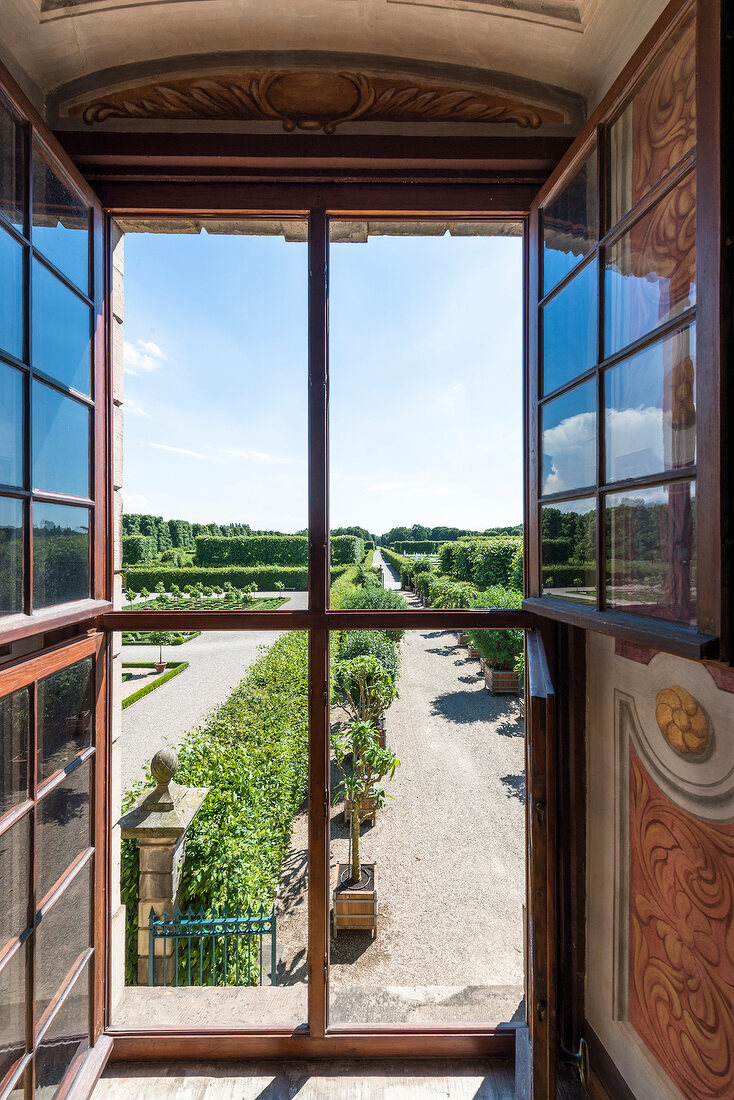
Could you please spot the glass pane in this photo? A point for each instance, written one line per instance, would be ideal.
(569, 330)
(569, 440)
(448, 955)
(61, 434)
(61, 331)
(62, 828)
(65, 716)
(60, 554)
(650, 274)
(14, 869)
(658, 127)
(62, 934)
(60, 223)
(11, 426)
(14, 713)
(67, 1038)
(12, 176)
(569, 225)
(11, 556)
(11, 299)
(568, 543)
(651, 411)
(12, 1010)
(651, 551)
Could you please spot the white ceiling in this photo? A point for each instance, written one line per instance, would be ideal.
(573, 45)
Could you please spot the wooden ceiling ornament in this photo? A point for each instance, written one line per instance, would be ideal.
(309, 100)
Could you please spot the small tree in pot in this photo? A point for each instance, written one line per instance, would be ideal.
(159, 638)
(355, 890)
(499, 648)
(368, 688)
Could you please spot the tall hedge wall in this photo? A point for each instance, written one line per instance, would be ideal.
(416, 546)
(265, 577)
(484, 562)
(138, 549)
(286, 550)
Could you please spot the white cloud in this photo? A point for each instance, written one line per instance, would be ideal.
(132, 408)
(135, 502)
(180, 451)
(142, 357)
(257, 456)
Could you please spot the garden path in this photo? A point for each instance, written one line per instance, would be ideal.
(450, 852)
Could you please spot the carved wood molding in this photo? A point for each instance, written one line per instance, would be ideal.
(310, 100)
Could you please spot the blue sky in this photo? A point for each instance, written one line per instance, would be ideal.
(426, 380)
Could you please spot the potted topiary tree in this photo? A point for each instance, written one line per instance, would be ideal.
(159, 638)
(499, 650)
(368, 689)
(355, 888)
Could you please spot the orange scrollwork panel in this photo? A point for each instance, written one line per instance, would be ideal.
(681, 1000)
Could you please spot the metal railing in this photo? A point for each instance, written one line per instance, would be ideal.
(225, 946)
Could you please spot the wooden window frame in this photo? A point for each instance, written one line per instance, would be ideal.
(711, 637)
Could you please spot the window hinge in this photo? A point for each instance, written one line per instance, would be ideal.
(579, 1060)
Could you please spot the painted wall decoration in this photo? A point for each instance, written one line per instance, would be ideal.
(682, 720)
(310, 100)
(681, 949)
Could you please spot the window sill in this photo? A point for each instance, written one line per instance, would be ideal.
(682, 641)
(15, 627)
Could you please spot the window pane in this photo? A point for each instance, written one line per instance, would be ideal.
(66, 1038)
(11, 299)
(61, 936)
(11, 556)
(658, 127)
(12, 177)
(14, 711)
(650, 272)
(61, 331)
(569, 440)
(61, 432)
(60, 223)
(650, 409)
(569, 225)
(569, 330)
(64, 716)
(60, 554)
(11, 426)
(14, 868)
(62, 828)
(12, 1011)
(568, 541)
(651, 551)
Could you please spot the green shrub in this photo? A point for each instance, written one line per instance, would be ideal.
(375, 599)
(368, 689)
(416, 546)
(263, 577)
(517, 575)
(284, 550)
(371, 643)
(563, 576)
(500, 648)
(483, 561)
(347, 550)
(137, 549)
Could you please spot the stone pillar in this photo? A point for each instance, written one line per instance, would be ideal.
(159, 820)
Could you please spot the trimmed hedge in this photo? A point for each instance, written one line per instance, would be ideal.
(416, 546)
(404, 566)
(174, 668)
(138, 549)
(285, 550)
(264, 577)
(483, 562)
(347, 550)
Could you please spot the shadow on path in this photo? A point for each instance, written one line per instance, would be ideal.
(515, 786)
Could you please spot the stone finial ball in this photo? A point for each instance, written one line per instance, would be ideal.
(164, 765)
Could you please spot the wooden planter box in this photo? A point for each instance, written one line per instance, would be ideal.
(473, 652)
(501, 681)
(368, 807)
(462, 637)
(355, 907)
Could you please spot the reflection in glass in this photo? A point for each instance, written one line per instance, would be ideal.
(12, 176)
(67, 1037)
(651, 551)
(658, 126)
(12, 1010)
(11, 298)
(14, 711)
(11, 426)
(650, 409)
(61, 431)
(62, 828)
(61, 331)
(569, 330)
(60, 223)
(650, 274)
(15, 845)
(60, 554)
(569, 224)
(568, 544)
(64, 716)
(11, 556)
(569, 440)
(62, 935)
